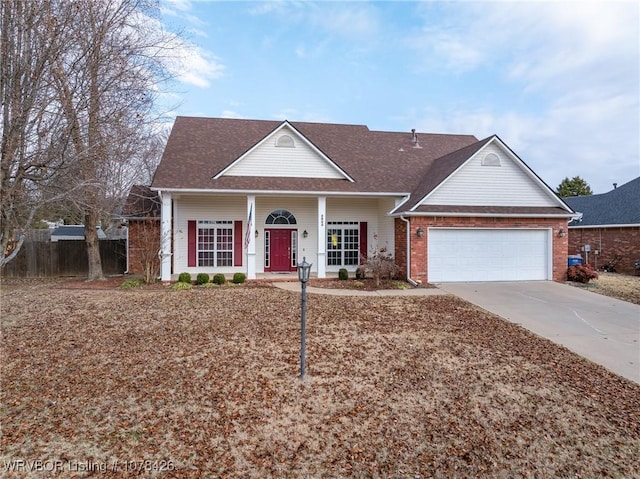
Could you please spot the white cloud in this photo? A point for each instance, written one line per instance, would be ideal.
(576, 62)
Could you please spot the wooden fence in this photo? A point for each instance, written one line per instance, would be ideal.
(65, 258)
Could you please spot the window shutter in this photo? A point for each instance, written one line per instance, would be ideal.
(364, 251)
(237, 243)
(192, 235)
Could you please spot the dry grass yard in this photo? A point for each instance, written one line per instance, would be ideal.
(204, 383)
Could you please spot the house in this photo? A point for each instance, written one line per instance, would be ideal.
(258, 196)
(607, 235)
(141, 212)
(72, 232)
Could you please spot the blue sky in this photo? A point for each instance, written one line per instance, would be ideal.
(559, 82)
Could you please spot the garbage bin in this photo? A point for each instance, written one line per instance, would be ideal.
(574, 260)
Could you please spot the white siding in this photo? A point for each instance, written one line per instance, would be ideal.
(231, 208)
(478, 185)
(267, 159)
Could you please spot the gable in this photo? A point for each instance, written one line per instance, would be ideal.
(284, 153)
(492, 176)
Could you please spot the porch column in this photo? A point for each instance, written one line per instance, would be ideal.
(251, 246)
(321, 264)
(165, 236)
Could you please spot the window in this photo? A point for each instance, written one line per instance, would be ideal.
(267, 249)
(294, 249)
(343, 242)
(215, 243)
(281, 217)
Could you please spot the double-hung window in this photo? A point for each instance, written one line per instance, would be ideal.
(215, 243)
(343, 243)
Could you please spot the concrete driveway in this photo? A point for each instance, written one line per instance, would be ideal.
(603, 330)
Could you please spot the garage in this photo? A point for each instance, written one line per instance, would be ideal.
(473, 254)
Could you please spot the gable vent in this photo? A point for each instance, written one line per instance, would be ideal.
(285, 141)
(491, 159)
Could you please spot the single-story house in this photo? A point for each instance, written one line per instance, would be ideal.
(72, 233)
(258, 196)
(607, 234)
(141, 212)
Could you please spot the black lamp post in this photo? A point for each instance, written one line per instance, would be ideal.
(304, 269)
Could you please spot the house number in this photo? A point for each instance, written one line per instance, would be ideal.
(321, 220)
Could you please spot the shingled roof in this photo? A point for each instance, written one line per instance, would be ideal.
(378, 161)
(620, 206)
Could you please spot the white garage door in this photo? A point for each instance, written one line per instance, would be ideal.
(460, 254)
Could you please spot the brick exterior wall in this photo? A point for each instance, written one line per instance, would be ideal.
(611, 243)
(144, 240)
(419, 246)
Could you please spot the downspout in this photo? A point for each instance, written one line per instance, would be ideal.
(127, 243)
(409, 279)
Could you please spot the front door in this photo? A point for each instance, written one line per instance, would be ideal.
(280, 250)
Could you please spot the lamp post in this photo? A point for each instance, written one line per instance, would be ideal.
(304, 269)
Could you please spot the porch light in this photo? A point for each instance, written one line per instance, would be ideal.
(561, 233)
(256, 233)
(304, 269)
(305, 234)
(419, 231)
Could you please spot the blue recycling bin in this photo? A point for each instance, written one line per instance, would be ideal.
(574, 260)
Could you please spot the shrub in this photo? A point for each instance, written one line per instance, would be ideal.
(202, 278)
(343, 274)
(219, 278)
(184, 278)
(382, 265)
(181, 285)
(239, 278)
(131, 283)
(361, 272)
(581, 273)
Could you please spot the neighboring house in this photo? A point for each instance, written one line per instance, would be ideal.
(72, 232)
(141, 212)
(258, 196)
(608, 233)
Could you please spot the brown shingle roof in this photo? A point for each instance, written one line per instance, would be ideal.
(199, 148)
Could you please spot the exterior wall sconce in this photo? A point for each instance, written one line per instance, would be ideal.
(256, 233)
(305, 234)
(561, 233)
(419, 232)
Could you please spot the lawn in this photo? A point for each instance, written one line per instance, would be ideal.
(204, 383)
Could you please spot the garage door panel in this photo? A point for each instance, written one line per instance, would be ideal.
(463, 254)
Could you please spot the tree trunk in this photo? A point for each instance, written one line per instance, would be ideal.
(93, 247)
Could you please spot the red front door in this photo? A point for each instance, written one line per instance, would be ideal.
(280, 250)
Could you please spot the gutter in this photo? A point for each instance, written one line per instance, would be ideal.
(409, 279)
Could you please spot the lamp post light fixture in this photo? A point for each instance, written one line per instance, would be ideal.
(304, 269)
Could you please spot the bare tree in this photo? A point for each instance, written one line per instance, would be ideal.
(106, 84)
(32, 34)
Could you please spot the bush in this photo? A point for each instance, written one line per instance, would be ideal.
(361, 272)
(219, 278)
(239, 278)
(131, 283)
(184, 278)
(181, 285)
(581, 273)
(343, 274)
(382, 265)
(202, 278)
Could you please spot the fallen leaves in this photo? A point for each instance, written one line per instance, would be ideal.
(208, 378)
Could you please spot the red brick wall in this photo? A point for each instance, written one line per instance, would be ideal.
(144, 241)
(610, 242)
(419, 245)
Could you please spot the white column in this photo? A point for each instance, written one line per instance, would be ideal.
(165, 236)
(321, 264)
(251, 248)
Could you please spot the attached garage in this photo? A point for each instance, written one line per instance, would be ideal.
(496, 254)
